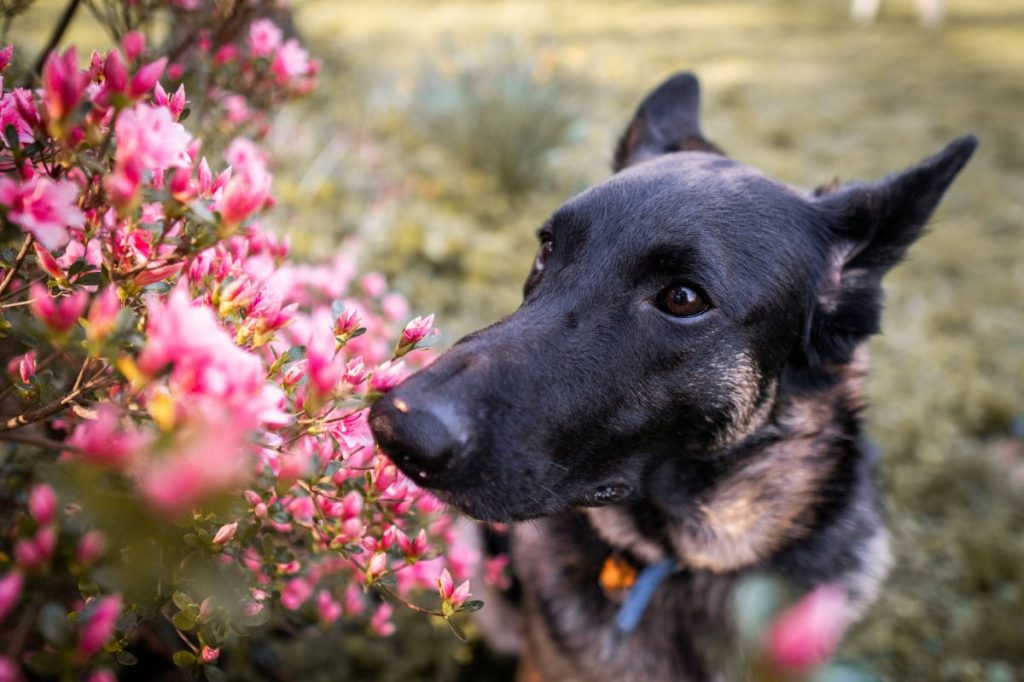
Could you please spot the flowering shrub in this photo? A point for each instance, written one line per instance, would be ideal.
(185, 446)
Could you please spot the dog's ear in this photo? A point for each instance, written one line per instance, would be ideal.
(871, 227)
(668, 120)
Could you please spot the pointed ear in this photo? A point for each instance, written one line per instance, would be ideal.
(871, 227)
(668, 120)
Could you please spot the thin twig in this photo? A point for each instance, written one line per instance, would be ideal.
(17, 263)
(55, 37)
(38, 441)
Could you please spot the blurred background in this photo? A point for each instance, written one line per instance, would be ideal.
(444, 133)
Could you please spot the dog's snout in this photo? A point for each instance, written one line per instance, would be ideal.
(422, 439)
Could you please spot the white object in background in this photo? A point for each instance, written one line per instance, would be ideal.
(931, 11)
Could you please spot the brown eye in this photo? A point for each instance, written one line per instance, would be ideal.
(542, 255)
(681, 301)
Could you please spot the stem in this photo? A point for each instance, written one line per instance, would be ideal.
(58, 33)
(407, 604)
(38, 441)
(54, 407)
(17, 292)
(17, 263)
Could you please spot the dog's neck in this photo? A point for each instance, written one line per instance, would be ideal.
(774, 491)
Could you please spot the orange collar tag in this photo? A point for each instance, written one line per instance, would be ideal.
(617, 574)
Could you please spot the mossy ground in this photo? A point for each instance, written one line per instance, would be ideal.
(792, 87)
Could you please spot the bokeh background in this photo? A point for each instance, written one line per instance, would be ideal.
(443, 134)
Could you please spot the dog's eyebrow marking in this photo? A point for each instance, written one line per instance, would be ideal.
(544, 231)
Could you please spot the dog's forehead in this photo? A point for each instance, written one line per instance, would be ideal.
(685, 192)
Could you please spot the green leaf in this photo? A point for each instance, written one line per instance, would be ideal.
(78, 266)
(183, 659)
(53, 624)
(181, 600)
(456, 630)
(183, 620)
(125, 658)
(471, 606)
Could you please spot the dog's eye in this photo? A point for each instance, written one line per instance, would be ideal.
(681, 301)
(543, 253)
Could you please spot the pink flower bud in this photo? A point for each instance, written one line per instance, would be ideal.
(59, 314)
(412, 549)
(295, 593)
(10, 592)
(209, 654)
(346, 324)
(225, 533)
(134, 44)
(180, 186)
(42, 503)
(63, 84)
(146, 77)
(377, 566)
(9, 670)
(26, 366)
(204, 178)
(102, 675)
(99, 626)
(90, 547)
(5, 56)
(103, 314)
(387, 376)
(381, 623)
(328, 607)
(114, 72)
(806, 635)
(445, 584)
(49, 264)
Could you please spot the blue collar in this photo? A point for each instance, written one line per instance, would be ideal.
(639, 596)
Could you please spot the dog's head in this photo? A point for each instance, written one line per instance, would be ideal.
(663, 309)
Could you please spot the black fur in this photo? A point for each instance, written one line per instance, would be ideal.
(592, 395)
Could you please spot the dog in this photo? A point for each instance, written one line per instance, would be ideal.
(681, 388)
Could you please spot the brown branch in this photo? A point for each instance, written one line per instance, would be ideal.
(17, 263)
(54, 407)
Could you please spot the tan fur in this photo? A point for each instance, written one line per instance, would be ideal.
(766, 503)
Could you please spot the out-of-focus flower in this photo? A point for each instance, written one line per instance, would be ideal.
(42, 502)
(104, 441)
(264, 38)
(90, 547)
(381, 623)
(806, 635)
(209, 654)
(5, 56)
(60, 314)
(291, 61)
(150, 138)
(63, 84)
(10, 591)
(99, 625)
(17, 109)
(146, 77)
(102, 315)
(9, 670)
(328, 607)
(134, 44)
(295, 593)
(43, 207)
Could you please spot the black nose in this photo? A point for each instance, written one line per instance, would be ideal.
(422, 441)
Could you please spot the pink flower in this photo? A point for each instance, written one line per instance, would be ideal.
(134, 44)
(14, 106)
(381, 623)
(175, 103)
(102, 675)
(49, 264)
(149, 137)
(805, 636)
(99, 625)
(33, 552)
(90, 547)
(104, 442)
(417, 330)
(209, 654)
(63, 84)
(328, 607)
(456, 596)
(412, 549)
(146, 77)
(59, 314)
(114, 72)
(5, 56)
(387, 376)
(264, 38)
(24, 365)
(324, 367)
(394, 307)
(374, 285)
(102, 315)
(43, 207)
(10, 592)
(291, 61)
(295, 593)
(377, 566)
(42, 503)
(225, 533)
(9, 670)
